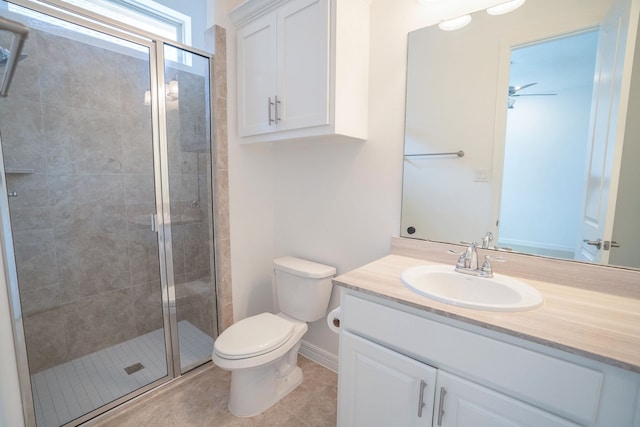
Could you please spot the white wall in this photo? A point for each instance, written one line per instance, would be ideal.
(340, 203)
(251, 203)
(334, 203)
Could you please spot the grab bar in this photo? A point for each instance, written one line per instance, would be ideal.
(20, 34)
(457, 153)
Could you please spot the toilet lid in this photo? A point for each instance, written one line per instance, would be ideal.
(253, 336)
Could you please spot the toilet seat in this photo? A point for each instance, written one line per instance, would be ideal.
(253, 336)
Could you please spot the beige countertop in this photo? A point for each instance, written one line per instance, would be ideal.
(599, 325)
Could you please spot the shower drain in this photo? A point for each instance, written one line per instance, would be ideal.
(132, 369)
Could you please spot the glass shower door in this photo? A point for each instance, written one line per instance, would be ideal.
(80, 172)
(188, 132)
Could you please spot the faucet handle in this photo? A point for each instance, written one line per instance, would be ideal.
(461, 255)
(486, 265)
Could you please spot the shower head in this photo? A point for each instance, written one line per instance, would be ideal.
(6, 53)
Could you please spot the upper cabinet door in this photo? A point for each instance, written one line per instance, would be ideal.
(303, 64)
(303, 68)
(257, 76)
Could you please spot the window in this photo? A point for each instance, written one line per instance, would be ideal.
(147, 15)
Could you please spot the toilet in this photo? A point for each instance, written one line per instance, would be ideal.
(262, 351)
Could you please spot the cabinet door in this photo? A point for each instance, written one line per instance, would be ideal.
(303, 64)
(257, 76)
(379, 387)
(461, 403)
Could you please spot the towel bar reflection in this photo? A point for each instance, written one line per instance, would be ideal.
(457, 153)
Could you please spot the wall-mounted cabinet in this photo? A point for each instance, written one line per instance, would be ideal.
(302, 69)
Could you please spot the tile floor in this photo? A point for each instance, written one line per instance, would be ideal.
(66, 391)
(200, 399)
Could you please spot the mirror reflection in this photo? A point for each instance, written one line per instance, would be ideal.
(538, 101)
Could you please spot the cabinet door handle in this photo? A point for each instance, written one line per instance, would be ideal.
(421, 403)
(443, 392)
(269, 109)
(277, 109)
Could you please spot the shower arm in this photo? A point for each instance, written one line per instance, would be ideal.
(20, 34)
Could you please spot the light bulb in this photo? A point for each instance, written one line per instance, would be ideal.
(507, 7)
(455, 23)
(173, 90)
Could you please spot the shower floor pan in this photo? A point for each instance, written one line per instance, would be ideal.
(69, 390)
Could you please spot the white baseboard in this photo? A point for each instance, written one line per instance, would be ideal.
(320, 356)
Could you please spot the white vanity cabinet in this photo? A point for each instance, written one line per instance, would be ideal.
(462, 403)
(395, 359)
(302, 69)
(382, 387)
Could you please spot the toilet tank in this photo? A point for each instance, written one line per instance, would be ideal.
(303, 288)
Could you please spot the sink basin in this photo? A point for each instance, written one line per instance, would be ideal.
(499, 293)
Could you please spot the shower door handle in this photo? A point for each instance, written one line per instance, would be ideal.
(154, 223)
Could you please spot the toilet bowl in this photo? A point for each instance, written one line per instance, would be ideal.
(262, 374)
(261, 351)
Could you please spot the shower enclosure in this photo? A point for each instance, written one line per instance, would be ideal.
(106, 145)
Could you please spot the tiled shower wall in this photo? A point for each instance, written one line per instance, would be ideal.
(78, 153)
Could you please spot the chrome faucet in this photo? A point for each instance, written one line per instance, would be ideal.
(468, 259)
(488, 237)
(468, 262)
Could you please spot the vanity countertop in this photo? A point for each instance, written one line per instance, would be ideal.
(591, 323)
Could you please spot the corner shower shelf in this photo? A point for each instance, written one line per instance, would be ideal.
(19, 171)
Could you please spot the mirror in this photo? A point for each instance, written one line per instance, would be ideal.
(516, 163)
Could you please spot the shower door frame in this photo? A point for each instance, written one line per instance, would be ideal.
(156, 45)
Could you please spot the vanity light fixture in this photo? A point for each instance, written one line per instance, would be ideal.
(506, 7)
(455, 23)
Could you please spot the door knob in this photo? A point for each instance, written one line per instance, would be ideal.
(597, 243)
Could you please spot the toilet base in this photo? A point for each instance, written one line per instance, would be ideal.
(253, 391)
